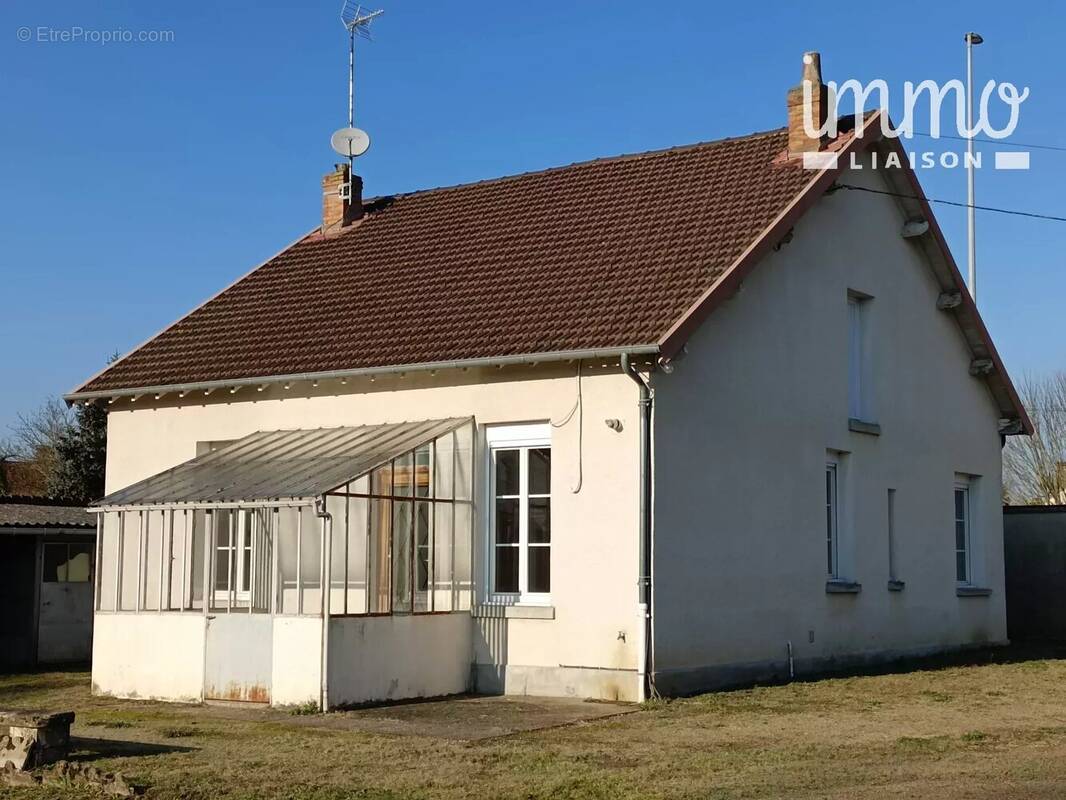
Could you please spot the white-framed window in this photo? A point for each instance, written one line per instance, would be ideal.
(832, 517)
(859, 376)
(519, 529)
(963, 522)
(234, 538)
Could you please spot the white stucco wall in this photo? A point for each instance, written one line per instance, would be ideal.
(399, 657)
(149, 656)
(742, 428)
(594, 530)
(297, 672)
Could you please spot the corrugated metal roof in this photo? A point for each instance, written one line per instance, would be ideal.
(26, 512)
(281, 465)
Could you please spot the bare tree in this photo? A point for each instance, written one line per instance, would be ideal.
(35, 436)
(1034, 467)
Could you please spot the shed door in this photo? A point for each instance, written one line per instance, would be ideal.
(240, 653)
(65, 627)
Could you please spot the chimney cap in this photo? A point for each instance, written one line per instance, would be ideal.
(812, 67)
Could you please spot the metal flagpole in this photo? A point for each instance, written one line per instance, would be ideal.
(971, 249)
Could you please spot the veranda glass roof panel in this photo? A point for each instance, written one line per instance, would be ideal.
(281, 465)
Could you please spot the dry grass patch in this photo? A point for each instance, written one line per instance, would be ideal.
(996, 730)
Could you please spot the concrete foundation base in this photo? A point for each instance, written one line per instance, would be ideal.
(695, 680)
(583, 682)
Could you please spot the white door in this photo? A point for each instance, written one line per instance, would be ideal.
(240, 654)
(240, 628)
(65, 621)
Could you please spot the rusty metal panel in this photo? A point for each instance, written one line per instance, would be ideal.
(239, 660)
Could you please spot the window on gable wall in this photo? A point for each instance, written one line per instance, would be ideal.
(832, 513)
(520, 519)
(962, 532)
(859, 379)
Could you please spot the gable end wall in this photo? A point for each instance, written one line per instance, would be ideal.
(741, 432)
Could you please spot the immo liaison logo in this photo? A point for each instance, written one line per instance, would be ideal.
(936, 95)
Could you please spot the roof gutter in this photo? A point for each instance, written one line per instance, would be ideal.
(233, 384)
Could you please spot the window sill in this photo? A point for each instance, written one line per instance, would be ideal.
(896, 586)
(972, 591)
(859, 426)
(842, 587)
(501, 611)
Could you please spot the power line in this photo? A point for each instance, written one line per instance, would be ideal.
(1002, 142)
(1012, 212)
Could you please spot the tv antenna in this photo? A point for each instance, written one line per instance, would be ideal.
(352, 142)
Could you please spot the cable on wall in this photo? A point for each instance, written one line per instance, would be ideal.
(579, 409)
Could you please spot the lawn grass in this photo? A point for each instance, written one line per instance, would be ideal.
(991, 731)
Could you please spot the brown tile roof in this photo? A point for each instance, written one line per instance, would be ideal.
(602, 254)
(35, 512)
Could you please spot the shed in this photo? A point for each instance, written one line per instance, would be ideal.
(46, 579)
(1034, 543)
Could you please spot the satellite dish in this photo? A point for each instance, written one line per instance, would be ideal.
(350, 142)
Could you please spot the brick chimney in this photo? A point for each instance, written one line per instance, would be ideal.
(338, 211)
(798, 140)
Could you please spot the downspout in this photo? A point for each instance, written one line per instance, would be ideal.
(326, 589)
(645, 664)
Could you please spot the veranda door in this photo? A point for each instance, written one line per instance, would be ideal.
(240, 627)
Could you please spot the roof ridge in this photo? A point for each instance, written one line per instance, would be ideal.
(587, 162)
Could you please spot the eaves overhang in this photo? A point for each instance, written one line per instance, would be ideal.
(235, 384)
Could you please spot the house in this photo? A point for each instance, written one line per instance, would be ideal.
(46, 574)
(1034, 543)
(652, 423)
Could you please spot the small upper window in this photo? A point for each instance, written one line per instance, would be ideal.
(859, 406)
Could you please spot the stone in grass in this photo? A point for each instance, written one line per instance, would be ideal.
(11, 776)
(32, 739)
(66, 773)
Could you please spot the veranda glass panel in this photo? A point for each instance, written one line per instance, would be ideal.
(380, 546)
(310, 561)
(131, 537)
(337, 506)
(401, 556)
(108, 566)
(358, 525)
(442, 556)
(464, 463)
(443, 468)
(423, 471)
(423, 556)
(403, 475)
(288, 523)
(463, 575)
(152, 558)
(197, 546)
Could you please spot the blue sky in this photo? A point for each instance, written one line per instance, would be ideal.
(139, 178)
